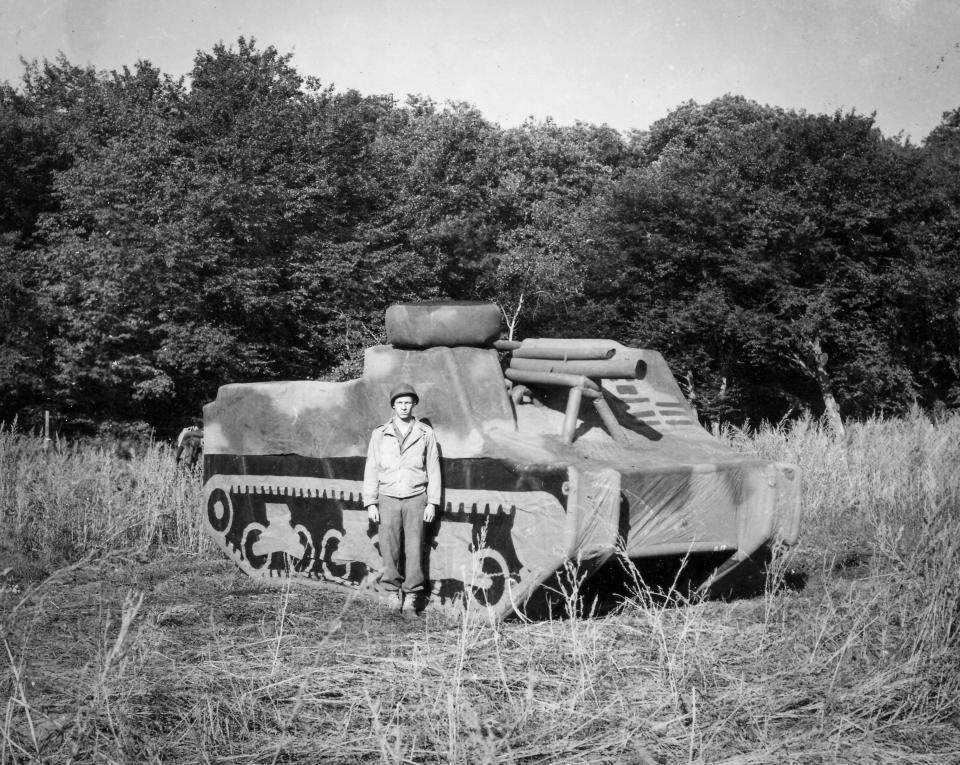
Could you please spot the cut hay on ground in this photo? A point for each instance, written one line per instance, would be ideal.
(127, 640)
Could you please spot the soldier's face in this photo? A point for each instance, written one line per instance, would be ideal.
(403, 406)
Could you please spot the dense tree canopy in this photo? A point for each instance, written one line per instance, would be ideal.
(163, 236)
(781, 257)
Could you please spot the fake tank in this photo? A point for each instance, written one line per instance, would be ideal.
(556, 455)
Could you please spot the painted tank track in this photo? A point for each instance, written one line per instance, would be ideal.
(316, 530)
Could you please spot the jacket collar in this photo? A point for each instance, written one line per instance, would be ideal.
(416, 428)
(415, 433)
(389, 423)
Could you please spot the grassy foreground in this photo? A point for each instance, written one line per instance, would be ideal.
(126, 638)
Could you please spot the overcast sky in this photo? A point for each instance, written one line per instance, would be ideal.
(622, 62)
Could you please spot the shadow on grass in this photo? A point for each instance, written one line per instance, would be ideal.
(667, 581)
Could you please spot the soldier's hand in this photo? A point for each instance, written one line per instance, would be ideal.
(373, 513)
(429, 513)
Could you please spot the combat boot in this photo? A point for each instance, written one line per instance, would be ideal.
(409, 608)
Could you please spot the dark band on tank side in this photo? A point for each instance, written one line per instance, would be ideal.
(483, 473)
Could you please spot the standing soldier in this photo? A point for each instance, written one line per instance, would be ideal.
(189, 445)
(401, 490)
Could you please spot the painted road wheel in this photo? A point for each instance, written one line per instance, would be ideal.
(490, 577)
(219, 510)
(334, 572)
(250, 538)
(304, 564)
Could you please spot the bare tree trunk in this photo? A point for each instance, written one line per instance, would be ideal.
(826, 386)
(691, 390)
(514, 320)
(817, 369)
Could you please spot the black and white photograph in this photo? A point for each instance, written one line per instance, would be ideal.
(493, 382)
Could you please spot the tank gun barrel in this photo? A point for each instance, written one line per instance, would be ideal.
(610, 368)
(561, 353)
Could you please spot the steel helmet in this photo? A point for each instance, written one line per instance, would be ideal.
(404, 389)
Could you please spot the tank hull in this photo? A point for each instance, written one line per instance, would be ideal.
(503, 530)
(532, 486)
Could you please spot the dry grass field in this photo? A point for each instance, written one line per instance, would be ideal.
(126, 638)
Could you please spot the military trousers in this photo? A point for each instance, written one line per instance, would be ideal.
(401, 531)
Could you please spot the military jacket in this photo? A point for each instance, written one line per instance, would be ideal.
(402, 466)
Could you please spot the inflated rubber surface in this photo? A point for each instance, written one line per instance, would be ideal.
(422, 325)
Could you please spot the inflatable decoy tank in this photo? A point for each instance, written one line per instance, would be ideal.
(556, 455)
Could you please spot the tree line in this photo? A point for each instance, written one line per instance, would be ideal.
(162, 236)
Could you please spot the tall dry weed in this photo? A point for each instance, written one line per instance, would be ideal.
(862, 664)
(881, 537)
(59, 501)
